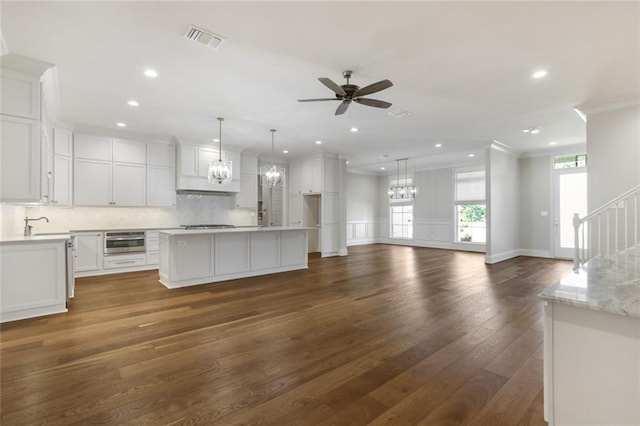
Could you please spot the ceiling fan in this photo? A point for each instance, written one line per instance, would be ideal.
(348, 93)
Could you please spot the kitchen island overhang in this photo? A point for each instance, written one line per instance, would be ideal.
(203, 256)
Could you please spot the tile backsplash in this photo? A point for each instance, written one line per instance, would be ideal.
(190, 209)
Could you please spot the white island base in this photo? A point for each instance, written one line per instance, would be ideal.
(211, 255)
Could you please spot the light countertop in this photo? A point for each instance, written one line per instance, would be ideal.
(608, 284)
(77, 231)
(233, 230)
(34, 238)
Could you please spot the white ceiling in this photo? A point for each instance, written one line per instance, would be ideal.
(463, 70)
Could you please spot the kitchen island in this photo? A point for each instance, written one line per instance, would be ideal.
(592, 344)
(192, 257)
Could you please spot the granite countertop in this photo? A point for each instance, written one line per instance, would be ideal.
(237, 229)
(608, 284)
(35, 238)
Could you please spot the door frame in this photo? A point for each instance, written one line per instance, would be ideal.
(557, 251)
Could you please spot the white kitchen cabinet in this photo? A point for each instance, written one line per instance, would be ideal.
(330, 175)
(92, 147)
(152, 246)
(193, 169)
(125, 151)
(92, 183)
(161, 186)
(231, 253)
(124, 261)
(247, 198)
(294, 248)
(129, 185)
(312, 178)
(62, 180)
(62, 173)
(161, 155)
(32, 278)
(295, 177)
(20, 160)
(88, 252)
(295, 210)
(265, 250)
(20, 94)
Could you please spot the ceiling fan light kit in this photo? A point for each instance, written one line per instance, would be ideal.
(348, 93)
(220, 171)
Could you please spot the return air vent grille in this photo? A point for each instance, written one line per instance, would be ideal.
(204, 37)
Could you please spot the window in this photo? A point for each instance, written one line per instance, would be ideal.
(402, 221)
(569, 161)
(470, 207)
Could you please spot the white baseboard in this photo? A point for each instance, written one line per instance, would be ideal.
(343, 252)
(361, 241)
(433, 244)
(495, 258)
(535, 253)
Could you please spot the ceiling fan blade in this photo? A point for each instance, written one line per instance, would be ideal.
(342, 107)
(372, 102)
(333, 86)
(373, 88)
(320, 99)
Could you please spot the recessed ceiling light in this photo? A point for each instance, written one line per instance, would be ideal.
(318, 142)
(121, 124)
(285, 152)
(354, 129)
(535, 130)
(438, 145)
(539, 74)
(133, 103)
(381, 168)
(347, 161)
(471, 155)
(553, 143)
(526, 130)
(216, 140)
(151, 73)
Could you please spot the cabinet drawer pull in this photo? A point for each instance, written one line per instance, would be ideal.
(121, 262)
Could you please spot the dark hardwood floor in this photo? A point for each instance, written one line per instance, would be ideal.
(387, 335)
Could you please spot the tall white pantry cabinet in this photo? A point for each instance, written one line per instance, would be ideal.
(24, 139)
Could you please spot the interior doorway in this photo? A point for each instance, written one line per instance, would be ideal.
(570, 197)
(311, 218)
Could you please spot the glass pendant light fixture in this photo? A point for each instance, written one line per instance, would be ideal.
(402, 192)
(273, 175)
(220, 171)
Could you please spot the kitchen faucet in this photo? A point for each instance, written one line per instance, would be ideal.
(27, 227)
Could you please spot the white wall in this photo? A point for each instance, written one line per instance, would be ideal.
(535, 197)
(613, 153)
(503, 208)
(190, 209)
(362, 196)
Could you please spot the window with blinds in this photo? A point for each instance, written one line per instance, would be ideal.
(470, 206)
(470, 186)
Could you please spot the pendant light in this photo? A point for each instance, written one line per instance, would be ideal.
(273, 175)
(220, 171)
(402, 192)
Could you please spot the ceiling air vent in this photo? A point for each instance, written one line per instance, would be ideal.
(205, 37)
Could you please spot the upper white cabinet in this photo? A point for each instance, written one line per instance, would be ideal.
(247, 198)
(313, 175)
(92, 147)
(20, 160)
(100, 180)
(129, 151)
(193, 168)
(62, 167)
(161, 154)
(161, 186)
(20, 94)
(23, 159)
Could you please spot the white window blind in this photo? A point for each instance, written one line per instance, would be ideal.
(470, 186)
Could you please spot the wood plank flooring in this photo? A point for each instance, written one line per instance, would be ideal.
(389, 335)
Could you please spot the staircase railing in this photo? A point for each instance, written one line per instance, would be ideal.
(612, 228)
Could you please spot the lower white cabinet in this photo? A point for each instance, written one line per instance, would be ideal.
(124, 261)
(32, 279)
(265, 250)
(294, 248)
(152, 246)
(231, 253)
(88, 252)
